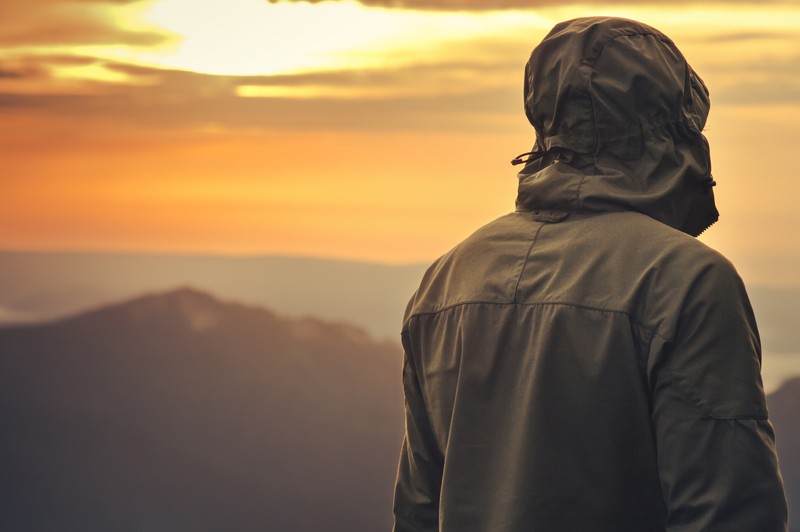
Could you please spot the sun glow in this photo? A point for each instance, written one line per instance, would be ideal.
(394, 143)
(254, 37)
(424, 52)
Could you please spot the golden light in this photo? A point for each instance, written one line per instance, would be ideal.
(348, 52)
(257, 37)
(254, 37)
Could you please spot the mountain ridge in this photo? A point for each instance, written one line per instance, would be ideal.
(182, 410)
(41, 286)
(200, 310)
(108, 414)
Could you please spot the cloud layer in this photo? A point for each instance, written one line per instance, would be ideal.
(61, 22)
(487, 5)
(177, 99)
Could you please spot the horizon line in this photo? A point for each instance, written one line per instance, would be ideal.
(208, 254)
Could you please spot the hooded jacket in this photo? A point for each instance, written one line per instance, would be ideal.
(584, 363)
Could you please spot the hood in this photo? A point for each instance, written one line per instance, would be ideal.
(618, 114)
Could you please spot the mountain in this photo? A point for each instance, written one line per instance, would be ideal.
(37, 286)
(784, 409)
(180, 411)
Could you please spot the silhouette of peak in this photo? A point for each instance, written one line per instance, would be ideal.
(193, 310)
(787, 397)
(210, 408)
(184, 306)
(180, 295)
(197, 309)
(790, 386)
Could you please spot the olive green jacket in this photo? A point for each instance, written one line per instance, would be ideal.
(584, 363)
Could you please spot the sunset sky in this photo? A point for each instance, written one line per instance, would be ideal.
(379, 130)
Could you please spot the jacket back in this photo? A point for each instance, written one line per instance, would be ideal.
(584, 363)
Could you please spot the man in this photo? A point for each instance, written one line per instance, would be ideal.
(584, 363)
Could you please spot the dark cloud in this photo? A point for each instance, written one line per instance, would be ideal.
(48, 59)
(22, 73)
(11, 74)
(179, 99)
(76, 32)
(63, 60)
(22, 69)
(486, 5)
(458, 113)
(39, 67)
(167, 99)
(54, 22)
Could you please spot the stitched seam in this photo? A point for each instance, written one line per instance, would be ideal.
(626, 34)
(700, 405)
(410, 359)
(644, 356)
(580, 186)
(592, 103)
(537, 304)
(738, 418)
(524, 264)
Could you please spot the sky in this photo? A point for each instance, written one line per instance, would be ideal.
(378, 130)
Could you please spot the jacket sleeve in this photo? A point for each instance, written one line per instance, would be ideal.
(419, 473)
(716, 447)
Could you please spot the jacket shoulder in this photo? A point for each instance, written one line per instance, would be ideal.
(622, 261)
(680, 272)
(484, 267)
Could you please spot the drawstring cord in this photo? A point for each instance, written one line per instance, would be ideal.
(538, 154)
(534, 155)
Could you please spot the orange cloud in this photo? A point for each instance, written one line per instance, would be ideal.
(486, 5)
(392, 163)
(60, 22)
(175, 99)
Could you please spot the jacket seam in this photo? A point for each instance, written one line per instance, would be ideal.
(632, 33)
(525, 264)
(701, 406)
(591, 65)
(536, 304)
(752, 417)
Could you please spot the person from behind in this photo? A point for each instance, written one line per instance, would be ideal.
(584, 363)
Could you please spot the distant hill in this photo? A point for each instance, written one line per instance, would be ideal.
(784, 409)
(178, 411)
(36, 286)
(181, 411)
